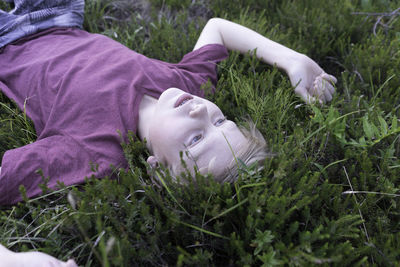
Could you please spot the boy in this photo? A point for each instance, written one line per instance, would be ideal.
(84, 87)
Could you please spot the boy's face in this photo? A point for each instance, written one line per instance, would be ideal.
(195, 126)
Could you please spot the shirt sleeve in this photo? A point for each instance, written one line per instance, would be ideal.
(203, 61)
(60, 158)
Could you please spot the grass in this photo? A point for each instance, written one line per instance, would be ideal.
(330, 196)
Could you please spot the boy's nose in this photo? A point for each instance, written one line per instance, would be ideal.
(198, 110)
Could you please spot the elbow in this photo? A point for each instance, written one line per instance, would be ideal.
(215, 27)
(215, 21)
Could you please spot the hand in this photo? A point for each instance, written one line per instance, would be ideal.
(39, 259)
(311, 82)
(31, 259)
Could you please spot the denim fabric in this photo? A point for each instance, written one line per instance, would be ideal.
(31, 16)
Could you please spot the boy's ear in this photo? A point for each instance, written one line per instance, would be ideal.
(152, 161)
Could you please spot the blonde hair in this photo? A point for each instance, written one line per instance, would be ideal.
(255, 151)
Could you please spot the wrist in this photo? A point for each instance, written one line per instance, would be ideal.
(294, 62)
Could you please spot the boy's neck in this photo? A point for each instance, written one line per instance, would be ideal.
(146, 111)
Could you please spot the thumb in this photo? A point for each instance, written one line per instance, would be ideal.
(71, 263)
(302, 92)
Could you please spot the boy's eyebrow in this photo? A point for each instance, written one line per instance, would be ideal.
(198, 153)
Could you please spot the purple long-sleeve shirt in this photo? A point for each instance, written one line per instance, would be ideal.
(80, 89)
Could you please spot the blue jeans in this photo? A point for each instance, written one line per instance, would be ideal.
(31, 16)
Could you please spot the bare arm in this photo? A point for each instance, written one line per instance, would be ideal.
(31, 259)
(310, 81)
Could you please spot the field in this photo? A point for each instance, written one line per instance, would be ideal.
(330, 194)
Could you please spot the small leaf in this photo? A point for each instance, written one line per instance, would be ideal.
(318, 117)
(384, 126)
(332, 114)
(375, 131)
(362, 141)
(268, 259)
(394, 124)
(263, 240)
(369, 132)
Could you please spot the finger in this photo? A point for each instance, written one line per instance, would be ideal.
(318, 91)
(305, 95)
(328, 96)
(329, 77)
(321, 96)
(315, 90)
(330, 88)
(328, 84)
(323, 88)
(326, 89)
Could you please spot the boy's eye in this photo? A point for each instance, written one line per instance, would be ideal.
(220, 121)
(195, 139)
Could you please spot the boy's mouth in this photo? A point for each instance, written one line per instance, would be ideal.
(182, 100)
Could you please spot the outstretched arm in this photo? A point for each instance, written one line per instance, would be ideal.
(310, 81)
(31, 259)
